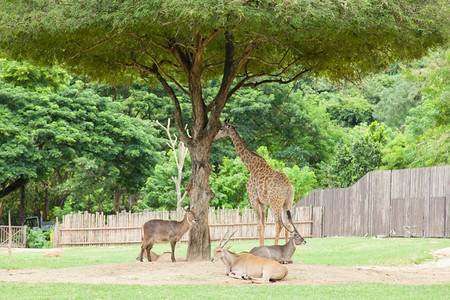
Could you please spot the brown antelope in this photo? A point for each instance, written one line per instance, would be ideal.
(248, 266)
(165, 257)
(282, 254)
(160, 231)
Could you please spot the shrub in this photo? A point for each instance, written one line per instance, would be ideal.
(38, 239)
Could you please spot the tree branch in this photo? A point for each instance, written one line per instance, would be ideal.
(231, 68)
(178, 116)
(17, 184)
(167, 75)
(276, 80)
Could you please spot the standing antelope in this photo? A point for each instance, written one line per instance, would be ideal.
(159, 231)
(281, 254)
(248, 266)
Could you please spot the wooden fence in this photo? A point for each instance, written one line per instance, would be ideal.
(407, 203)
(18, 236)
(126, 228)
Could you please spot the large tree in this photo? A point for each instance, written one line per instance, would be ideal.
(245, 43)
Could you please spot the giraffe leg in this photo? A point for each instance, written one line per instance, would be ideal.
(276, 209)
(259, 209)
(287, 205)
(263, 224)
(278, 227)
(260, 216)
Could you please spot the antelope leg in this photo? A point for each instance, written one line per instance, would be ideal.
(238, 275)
(259, 280)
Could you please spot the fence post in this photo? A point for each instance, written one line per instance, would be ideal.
(25, 236)
(56, 235)
(10, 233)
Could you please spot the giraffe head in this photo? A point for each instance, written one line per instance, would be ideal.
(225, 130)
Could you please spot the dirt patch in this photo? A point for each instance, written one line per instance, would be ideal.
(159, 273)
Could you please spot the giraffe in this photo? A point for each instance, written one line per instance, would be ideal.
(265, 186)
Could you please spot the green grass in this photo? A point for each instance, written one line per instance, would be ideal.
(326, 251)
(118, 291)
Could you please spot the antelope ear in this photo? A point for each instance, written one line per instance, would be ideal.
(227, 248)
(185, 208)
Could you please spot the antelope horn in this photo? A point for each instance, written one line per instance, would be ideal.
(223, 237)
(290, 220)
(291, 231)
(229, 238)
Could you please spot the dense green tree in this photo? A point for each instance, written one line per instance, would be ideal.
(349, 111)
(182, 44)
(31, 77)
(396, 101)
(43, 136)
(359, 153)
(427, 127)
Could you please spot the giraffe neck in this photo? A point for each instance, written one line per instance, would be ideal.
(251, 160)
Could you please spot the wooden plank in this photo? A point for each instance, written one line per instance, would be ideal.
(437, 214)
(378, 213)
(303, 220)
(400, 194)
(307, 200)
(358, 207)
(341, 206)
(317, 226)
(323, 198)
(439, 188)
(419, 201)
(398, 219)
(346, 222)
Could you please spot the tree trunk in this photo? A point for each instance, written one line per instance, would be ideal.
(116, 201)
(1, 212)
(22, 205)
(46, 200)
(199, 247)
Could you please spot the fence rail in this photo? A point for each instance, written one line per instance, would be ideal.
(398, 203)
(18, 236)
(126, 228)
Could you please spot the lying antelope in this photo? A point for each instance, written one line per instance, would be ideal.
(165, 257)
(248, 266)
(159, 231)
(282, 254)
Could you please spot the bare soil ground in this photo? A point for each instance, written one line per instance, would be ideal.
(204, 272)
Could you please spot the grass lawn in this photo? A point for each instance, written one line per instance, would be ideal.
(119, 291)
(326, 251)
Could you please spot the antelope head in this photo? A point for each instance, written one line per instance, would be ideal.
(219, 251)
(298, 239)
(190, 216)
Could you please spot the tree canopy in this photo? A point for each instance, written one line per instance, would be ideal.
(183, 41)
